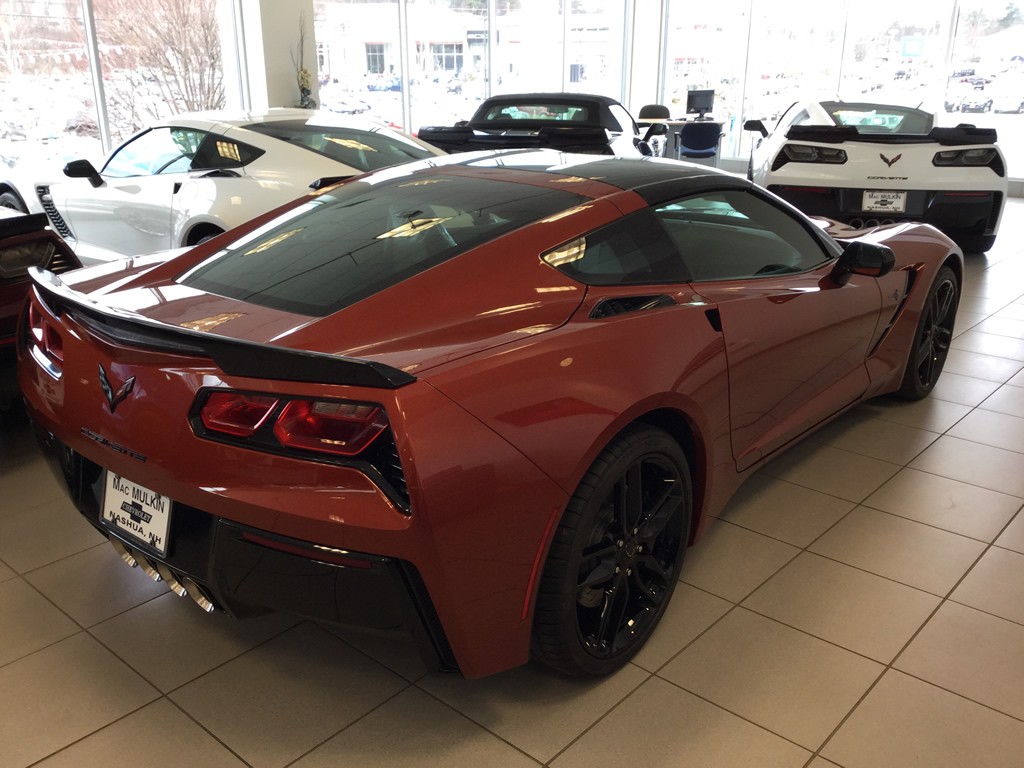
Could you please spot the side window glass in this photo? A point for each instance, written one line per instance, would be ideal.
(736, 234)
(217, 151)
(632, 251)
(801, 118)
(157, 151)
(622, 117)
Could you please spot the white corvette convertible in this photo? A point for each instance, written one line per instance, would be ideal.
(869, 164)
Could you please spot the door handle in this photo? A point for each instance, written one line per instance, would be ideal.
(177, 186)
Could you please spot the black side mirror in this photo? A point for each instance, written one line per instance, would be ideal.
(83, 169)
(755, 125)
(861, 258)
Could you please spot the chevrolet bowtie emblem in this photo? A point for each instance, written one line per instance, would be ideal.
(889, 162)
(114, 398)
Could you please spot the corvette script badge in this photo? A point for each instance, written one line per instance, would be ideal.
(114, 398)
(889, 162)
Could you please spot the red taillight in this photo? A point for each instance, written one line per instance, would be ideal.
(344, 429)
(236, 413)
(53, 343)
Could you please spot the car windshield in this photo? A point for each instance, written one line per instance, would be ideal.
(366, 150)
(534, 110)
(361, 238)
(880, 118)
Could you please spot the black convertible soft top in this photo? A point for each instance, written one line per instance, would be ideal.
(570, 122)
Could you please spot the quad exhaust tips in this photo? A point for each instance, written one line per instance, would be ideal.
(179, 584)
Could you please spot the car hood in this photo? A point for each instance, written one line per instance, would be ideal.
(454, 309)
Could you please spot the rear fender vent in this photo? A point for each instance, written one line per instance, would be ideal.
(993, 217)
(43, 193)
(626, 304)
(61, 262)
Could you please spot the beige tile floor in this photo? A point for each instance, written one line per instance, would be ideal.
(859, 604)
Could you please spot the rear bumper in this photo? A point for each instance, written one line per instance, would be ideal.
(969, 213)
(245, 571)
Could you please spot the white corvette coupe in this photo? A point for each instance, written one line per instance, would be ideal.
(191, 177)
(871, 164)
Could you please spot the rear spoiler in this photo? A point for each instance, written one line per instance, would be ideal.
(233, 356)
(837, 134)
(22, 224)
(586, 139)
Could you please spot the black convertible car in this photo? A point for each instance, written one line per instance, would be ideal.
(571, 122)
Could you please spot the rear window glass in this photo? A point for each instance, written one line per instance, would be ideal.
(358, 239)
(364, 150)
(531, 110)
(880, 118)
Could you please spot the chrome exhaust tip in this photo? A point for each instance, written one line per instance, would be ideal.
(197, 594)
(148, 567)
(172, 583)
(123, 553)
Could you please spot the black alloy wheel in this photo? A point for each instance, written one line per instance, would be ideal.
(616, 556)
(934, 335)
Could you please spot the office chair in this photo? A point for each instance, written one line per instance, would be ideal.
(653, 116)
(698, 140)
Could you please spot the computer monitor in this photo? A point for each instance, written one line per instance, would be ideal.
(700, 102)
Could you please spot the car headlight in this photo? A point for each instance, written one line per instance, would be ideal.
(805, 153)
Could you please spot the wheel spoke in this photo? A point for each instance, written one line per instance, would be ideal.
(661, 511)
(651, 564)
(943, 304)
(630, 498)
(616, 600)
(600, 574)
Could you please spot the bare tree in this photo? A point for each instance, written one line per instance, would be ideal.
(161, 57)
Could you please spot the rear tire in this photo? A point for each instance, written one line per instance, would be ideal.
(934, 334)
(616, 556)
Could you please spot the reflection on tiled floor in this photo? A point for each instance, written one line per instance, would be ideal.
(859, 604)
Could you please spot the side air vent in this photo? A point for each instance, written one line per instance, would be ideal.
(61, 262)
(384, 458)
(625, 304)
(43, 193)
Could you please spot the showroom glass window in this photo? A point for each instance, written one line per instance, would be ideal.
(158, 59)
(738, 234)
(45, 88)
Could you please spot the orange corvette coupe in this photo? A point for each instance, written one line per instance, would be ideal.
(488, 399)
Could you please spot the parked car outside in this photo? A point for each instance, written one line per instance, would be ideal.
(1012, 103)
(191, 177)
(488, 399)
(976, 102)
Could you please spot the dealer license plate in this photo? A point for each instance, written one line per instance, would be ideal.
(891, 202)
(137, 511)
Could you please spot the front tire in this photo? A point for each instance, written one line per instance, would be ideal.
(616, 556)
(11, 200)
(934, 333)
